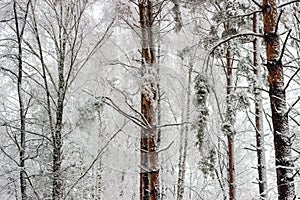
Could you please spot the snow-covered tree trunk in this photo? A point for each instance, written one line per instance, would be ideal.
(149, 176)
(57, 192)
(184, 140)
(261, 158)
(22, 146)
(229, 126)
(57, 140)
(282, 138)
(99, 166)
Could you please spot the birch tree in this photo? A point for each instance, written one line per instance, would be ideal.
(60, 29)
(18, 22)
(22, 110)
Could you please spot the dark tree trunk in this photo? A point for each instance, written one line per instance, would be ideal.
(22, 146)
(149, 177)
(230, 124)
(282, 137)
(261, 158)
(57, 192)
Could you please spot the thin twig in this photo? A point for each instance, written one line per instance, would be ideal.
(285, 4)
(292, 106)
(166, 148)
(256, 3)
(284, 44)
(278, 20)
(95, 160)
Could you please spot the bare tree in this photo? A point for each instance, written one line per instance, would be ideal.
(22, 146)
(17, 22)
(63, 30)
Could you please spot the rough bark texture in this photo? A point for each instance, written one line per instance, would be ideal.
(282, 137)
(57, 192)
(261, 158)
(149, 176)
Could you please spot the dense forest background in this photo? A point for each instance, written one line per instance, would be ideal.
(149, 99)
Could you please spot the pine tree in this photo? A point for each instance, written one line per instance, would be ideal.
(282, 138)
(149, 177)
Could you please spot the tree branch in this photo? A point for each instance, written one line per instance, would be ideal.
(233, 37)
(292, 106)
(256, 3)
(278, 20)
(285, 4)
(292, 77)
(284, 44)
(94, 161)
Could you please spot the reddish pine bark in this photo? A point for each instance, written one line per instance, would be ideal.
(261, 158)
(282, 138)
(230, 121)
(149, 176)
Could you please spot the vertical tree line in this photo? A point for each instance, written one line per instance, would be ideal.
(260, 148)
(149, 180)
(282, 137)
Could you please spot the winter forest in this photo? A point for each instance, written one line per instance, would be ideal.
(149, 99)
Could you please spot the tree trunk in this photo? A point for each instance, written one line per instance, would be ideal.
(57, 192)
(230, 124)
(22, 145)
(184, 142)
(282, 138)
(99, 166)
(261, 158)
(149, 176)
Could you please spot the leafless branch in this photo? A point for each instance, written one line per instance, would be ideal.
(95, 160)
(176, 124)
(233, 37)
(129, 105)
(108, 101)
(166, 148)
(292, 77)
(93, 51)
(246, 148)
(294, 120)
(285, 4)
(8, 70)
(256, 3)
(278, 20)
(293, 105)
(284, 44)
(136, 120)
(30, 132)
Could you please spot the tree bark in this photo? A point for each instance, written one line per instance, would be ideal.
(184, 142)
(261, 158)
(230, 124)
(22, 146)
(282, 138)
(149, 176)
(57, 192)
